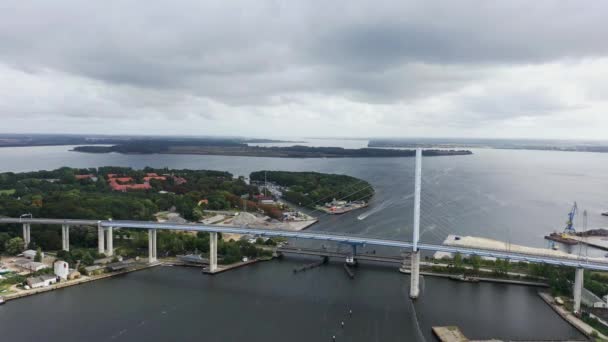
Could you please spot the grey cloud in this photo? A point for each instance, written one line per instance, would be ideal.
(353, 47)
(189, 58)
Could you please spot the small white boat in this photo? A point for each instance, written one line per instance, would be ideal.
(2, 301)
(350, 260)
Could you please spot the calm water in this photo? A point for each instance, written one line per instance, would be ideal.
(513, 195)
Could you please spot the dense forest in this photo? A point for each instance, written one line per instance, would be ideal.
(312, 188)
(91, 194)
(61, 194)
(58, 194)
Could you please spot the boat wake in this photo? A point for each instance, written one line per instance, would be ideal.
(428, 228)
(382, 206)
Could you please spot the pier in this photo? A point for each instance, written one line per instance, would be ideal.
(449, 334)
(349, 271)
(311, 265)
(341, 255)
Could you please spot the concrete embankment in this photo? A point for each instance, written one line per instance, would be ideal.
(481, 279)
(25, 293)
(570, 317)
(224, 268)
(449, 334)
(453, 334)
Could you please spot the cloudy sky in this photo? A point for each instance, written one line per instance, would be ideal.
(482, 68)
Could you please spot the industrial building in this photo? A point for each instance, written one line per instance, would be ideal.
(30, 265)
(41, 281)
(31, 254)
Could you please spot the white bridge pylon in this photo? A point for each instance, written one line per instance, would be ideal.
(415, 263)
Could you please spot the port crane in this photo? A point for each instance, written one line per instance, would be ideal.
(570, 223)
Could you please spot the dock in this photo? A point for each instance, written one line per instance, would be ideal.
(349, 271)
(480, 279)
(341, 255)
(449, 334)
(559, 238)
(224, 268)
(310, 266)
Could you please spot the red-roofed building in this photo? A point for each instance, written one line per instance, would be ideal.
(145, 186)
(148, 178)
(126, 183)
(179, 180)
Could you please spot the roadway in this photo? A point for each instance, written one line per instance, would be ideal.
(584, 263)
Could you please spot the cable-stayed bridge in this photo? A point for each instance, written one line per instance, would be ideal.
(105, 241)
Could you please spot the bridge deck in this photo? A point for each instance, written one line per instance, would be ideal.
(579, 262)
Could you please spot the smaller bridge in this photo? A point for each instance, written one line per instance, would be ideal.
(343, 255)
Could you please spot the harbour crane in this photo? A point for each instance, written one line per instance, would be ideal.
(570, 223)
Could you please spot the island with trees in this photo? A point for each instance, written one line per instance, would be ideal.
(241, 148)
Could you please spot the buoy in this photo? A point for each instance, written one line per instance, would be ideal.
(342, 324)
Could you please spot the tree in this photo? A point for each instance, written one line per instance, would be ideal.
(458, 261)
(38, 256)
(4, 237)
(476, 263)
(87, 259)
(14, 246)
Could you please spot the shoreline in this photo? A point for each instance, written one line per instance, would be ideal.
(570, 317)
(299, 152)
(481, 279)
(65, 284)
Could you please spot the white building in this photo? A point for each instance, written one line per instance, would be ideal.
(41, 281)
(30, 265)
(61, 269)
(31, 254)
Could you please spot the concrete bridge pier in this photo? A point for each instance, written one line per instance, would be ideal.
(110, 242)
(101, 245)
(212, 252)
(415, 266)
(65, 237)
(152, 246)
(578, 289)
(415, 275)
(26, 234)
